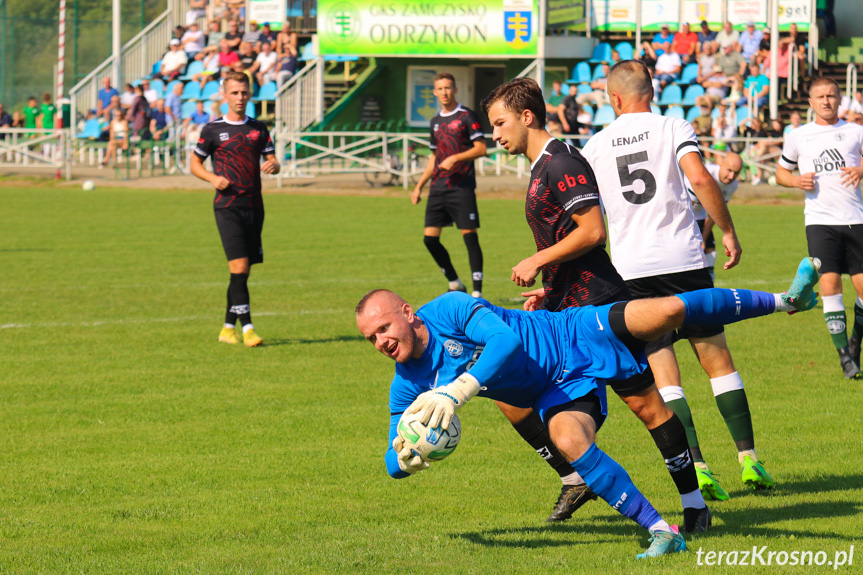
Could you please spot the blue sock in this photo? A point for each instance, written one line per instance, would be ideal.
(609, 480)
(719, 306)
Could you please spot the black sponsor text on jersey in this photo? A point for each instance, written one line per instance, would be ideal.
(454, 133)
(562, 182)
(236, 149)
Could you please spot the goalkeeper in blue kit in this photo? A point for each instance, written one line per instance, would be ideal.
(457, 347)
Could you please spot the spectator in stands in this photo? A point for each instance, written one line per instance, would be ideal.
(227, 57)
(736, 92)
(757, 86)
(31, 112)
(668, 67)
(568, 111)
(238, 67)
(253, 36)
(193, 41)
(783, 59)
(178, 32)
(615, 57)
(662, 41)
(730, 62)
(716, 85)
(286, 66)
(684, 44)
(597, 97)
(150, 93)
(118, 137)
(847, 105)
(552, 104)
(127, 98)
(286, 41)
(173, 62)
(233, 35)
(214, 38)
(139, 114)
(211, 70)
(728, 36)
(794, 121)
(47, 113)
(17, 120)
(160, 121)
(197, 9)
(264, 68)
(247, 58)
(114, 104)
(174, 101)
(767, 150)
(647, 55)
(193, 124)
(268, 35)
(5, 121)
(703, 122)
(104, 98)
(750, 41)
(706, 63)
(723, 129)
(706, 36)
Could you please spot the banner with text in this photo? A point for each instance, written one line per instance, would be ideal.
(423, 28)
(272, 11)
(619, 15)
(694, 11)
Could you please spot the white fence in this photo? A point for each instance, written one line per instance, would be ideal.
(36, 148)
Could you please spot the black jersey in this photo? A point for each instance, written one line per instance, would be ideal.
(236, 148)
(561, 182)
(453, 133)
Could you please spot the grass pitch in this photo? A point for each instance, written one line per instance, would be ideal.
(133, 442)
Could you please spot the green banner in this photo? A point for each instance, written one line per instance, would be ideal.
(566, 14)
(423, 28)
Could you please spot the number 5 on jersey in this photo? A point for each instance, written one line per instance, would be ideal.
(629, 177)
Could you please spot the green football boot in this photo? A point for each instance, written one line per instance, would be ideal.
(709, 485)
(754, 475)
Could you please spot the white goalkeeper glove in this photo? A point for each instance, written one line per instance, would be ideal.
(408, 462)
(436, 407)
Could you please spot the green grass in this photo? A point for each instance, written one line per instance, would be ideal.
(132, 442)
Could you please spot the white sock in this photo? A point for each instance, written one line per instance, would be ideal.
(744, 453)
(573, 479)
(832, 303)
(781, 305)
(247, 327)
(701, 465)
(726, 383)
(693, 500)
(859, 301)
(230, 326)
(671, 393)
(660, 525)
(456, 284)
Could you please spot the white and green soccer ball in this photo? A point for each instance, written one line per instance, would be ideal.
(88, 185)
(430, 443)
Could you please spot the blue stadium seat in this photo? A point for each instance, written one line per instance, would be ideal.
(210, 89)
(91, 130)
(601, 53)
(655, 109)
(580, 74)
(159, 86)
(692, 113)
(584, 89)
(691, 93)
(625, 50)
(597, 73)
(250, 109)
(671, 94)
(604, 116)
(689, 74)
(187, 109)
(191, 91)
(156, 67)
(307, 52)
(715, 113)
(742, 113)
(194, 67)
(674, 112)
(267, 92)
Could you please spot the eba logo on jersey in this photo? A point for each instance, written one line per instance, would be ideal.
(571, 182)
(829, 161)
(453, 347)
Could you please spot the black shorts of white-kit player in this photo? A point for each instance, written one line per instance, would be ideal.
(840, 248)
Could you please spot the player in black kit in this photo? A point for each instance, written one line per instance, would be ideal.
(236, 144)
(456, 141)
(564, 213)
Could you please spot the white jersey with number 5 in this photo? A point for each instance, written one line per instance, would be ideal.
(651, 226)
(825, 150)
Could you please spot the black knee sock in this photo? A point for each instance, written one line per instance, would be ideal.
(533, 430)
(230, 316)
(474, 256)
(441, 256)
(670, 438)
(239, 294)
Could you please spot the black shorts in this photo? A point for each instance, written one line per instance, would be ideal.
(709, 241)
(240, 230)
(840, 248)
(448, 206)
(588, 404)
(673, 284)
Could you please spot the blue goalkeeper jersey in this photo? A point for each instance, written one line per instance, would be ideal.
(535, 359)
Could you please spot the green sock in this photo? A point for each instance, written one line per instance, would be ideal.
(836, 326)
(681, 409)
(858, 320)
(734, 408)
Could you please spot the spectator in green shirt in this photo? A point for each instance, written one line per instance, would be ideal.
(48, 111)
(31, 112)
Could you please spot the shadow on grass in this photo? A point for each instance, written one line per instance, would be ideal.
(548, 535)
(302, 341)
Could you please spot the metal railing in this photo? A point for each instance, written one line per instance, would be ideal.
(851, 81)
(300, 101)
(793, 73)
(36, 148)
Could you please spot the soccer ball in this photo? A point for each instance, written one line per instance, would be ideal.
(430, 443)
(88, 185)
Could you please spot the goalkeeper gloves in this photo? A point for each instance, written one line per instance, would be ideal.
(408, 461)
(436, 407)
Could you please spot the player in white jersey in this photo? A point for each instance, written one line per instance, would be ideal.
(725, 174)
(640, 161)
(827, 154)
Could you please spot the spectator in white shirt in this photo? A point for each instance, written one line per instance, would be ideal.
(193, 41)
(264, 67)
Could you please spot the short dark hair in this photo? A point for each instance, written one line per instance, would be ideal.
(236, 76)
(821, 81)
(444, 76)
(517, 96)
